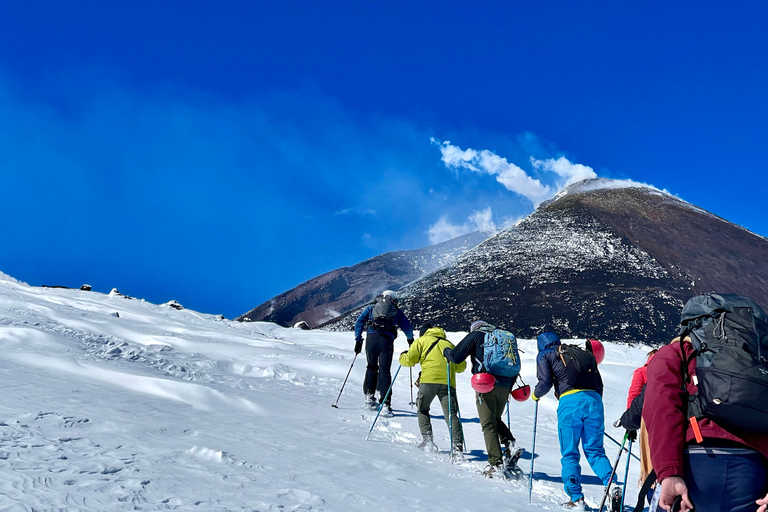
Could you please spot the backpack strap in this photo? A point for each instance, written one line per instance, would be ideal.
(431, 347)
(647, 484)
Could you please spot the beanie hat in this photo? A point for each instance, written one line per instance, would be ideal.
(424, 328)
(476, 325)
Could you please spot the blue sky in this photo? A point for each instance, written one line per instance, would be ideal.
(219, 153)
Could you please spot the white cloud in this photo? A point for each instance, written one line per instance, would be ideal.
(565, 169)
(511, 176)
(358, 211)
(443, 229)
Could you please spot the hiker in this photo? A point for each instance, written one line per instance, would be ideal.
(639, 378)
(380, 320)
(427, 351)
(632, 419)
(490, 404)
(580, 415)
(702, 460)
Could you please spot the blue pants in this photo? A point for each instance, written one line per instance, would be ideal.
(580, 418)
(719, 480)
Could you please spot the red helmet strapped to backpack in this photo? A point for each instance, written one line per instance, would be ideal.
(522, 392)
(597, 350)
(483, 382)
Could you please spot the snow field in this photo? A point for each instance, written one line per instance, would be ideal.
(160, 409)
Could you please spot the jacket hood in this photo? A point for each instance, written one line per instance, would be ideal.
(435, 332)
(547, 340)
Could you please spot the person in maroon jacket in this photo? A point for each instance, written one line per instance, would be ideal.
(726, 470)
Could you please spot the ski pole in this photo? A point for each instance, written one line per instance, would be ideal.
(509, 425)
(626, 475)
(613, 472)
(619, 444)
(383, 401)
(410, 372)
(450, 423)
(458, 413)
(345, 382)
(533, 449)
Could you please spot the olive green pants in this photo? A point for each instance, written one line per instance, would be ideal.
(490, 407)
(427, 393)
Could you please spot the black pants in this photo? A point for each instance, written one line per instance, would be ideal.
(378, 375)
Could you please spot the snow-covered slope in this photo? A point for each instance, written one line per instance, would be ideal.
(114, 404)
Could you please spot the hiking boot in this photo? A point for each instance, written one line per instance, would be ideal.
(496, 471)
(370, 401)
(575, 505)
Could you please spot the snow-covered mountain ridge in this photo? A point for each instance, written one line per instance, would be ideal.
(115, 404)
(611, 262)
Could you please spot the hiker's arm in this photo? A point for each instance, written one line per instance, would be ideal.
(544, 375)
(665, 412)
(460, 352)
(413, 355)
(404, 324)
(360, 323)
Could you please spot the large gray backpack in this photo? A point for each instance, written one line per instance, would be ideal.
(729, 334)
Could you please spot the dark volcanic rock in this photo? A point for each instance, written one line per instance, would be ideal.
(610, 263)
(334, 293)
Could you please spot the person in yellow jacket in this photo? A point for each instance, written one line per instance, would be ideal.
(427, 350)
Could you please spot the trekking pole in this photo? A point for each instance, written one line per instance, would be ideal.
(533, 449)
(613, 472)
(626, 475)
(450, 423)
(620, 444)
(383, 401)
(458, 413)
(345, 382)
(410, 372)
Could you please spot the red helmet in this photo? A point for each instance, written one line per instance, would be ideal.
(483, 382)
(522, 393)
(597, 350)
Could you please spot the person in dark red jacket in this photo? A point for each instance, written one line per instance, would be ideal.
(727, 471)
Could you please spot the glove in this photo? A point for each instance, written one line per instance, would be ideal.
(358, 346)
(410, 342)
(534, 397)
(632, 435)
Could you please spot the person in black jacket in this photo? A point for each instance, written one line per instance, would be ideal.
(490, 406)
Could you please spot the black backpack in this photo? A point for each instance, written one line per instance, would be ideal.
(383, 314)
(729, 334)
(580, 367)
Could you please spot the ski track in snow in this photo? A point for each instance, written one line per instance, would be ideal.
(159, 409)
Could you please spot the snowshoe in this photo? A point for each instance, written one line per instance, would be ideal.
(494, 471)
(616, 499)
(512, 454)
(371, 403)
(386, 412)
(579, 504)
(428, 445)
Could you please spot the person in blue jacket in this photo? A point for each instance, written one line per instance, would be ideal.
(580, 418)
(380, 320)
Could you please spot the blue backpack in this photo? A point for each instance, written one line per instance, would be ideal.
(500, 355)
